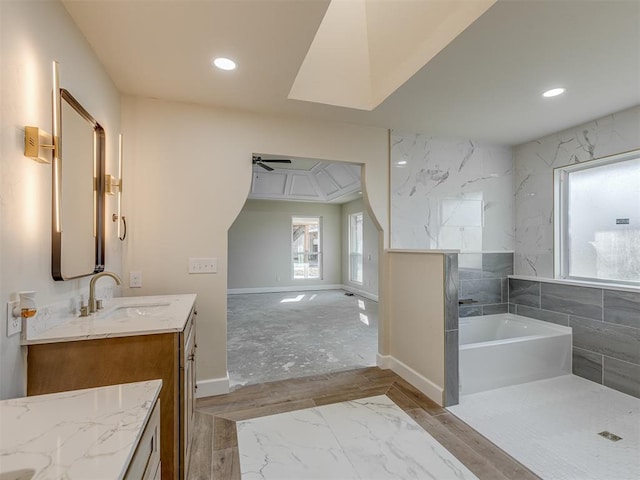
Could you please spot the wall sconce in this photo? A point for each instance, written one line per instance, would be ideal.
(27, 306)
(111, 185)
(38, 145)
(114, 186)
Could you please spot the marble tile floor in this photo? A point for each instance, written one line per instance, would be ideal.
(216, 452)
(552, 427)
(276, 336)
(369, 438)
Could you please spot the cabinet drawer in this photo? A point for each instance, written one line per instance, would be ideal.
(146, 459)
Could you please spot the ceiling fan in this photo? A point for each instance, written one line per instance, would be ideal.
(257, 160)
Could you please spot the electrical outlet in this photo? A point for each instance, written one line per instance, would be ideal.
(203, 265)
(14, 324)
(135, 279)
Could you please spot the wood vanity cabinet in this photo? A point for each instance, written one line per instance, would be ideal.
(73, 365)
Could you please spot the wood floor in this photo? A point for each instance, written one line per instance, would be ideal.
(215, 445)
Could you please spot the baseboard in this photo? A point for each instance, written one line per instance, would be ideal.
(294, 288)
(303, 288)
(422, 383)
(360, 293)
(212, 386)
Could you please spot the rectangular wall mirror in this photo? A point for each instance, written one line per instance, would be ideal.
(78, 191)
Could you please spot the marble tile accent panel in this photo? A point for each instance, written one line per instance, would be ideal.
(571, 299)
(497, 265)
(444, 184)
(495, 308)
(622, 343)
(367, 438)
(533, 193)
(483, 291)
(622, 376)
(587, 365)
(546, 315)
(622, 308)
(451, 291)
(451, 386)
(524, 292)
(470, 311)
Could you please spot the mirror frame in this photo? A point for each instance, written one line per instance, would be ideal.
(60, 94)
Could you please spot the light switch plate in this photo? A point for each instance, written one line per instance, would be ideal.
(203, 265)
(14, 324)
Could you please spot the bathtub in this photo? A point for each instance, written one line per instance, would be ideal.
(506, 349)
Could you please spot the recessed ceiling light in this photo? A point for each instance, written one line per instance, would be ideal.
(554, 92)
(224, 63)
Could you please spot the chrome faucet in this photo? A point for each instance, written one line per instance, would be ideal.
(92, 288)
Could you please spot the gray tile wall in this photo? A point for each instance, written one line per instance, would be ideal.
(605, 323)
(452, 284)
(483, 279)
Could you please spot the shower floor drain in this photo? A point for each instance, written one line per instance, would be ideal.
(610, 436)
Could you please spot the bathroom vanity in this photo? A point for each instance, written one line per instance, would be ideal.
(106, 432)
(133, 339)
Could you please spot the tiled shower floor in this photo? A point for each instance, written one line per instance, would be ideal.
(552, 427)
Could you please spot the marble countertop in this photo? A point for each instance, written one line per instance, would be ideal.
(82, 434)
(121, 317)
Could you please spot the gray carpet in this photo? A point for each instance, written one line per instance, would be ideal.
(275, 336)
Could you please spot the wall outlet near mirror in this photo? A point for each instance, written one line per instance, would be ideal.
(14, 324)
(135, 279)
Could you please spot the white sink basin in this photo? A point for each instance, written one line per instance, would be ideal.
(138, 310)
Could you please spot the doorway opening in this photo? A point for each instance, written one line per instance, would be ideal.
(303, 273)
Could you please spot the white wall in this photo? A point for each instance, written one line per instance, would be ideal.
(533, 186)
(260, 244)
(33, 34)
(450, 194)
(369, 249)
(189, 173)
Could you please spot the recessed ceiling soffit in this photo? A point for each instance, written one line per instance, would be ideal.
(364, 50)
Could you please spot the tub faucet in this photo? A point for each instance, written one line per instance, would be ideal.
(92, 288)
(466, 301)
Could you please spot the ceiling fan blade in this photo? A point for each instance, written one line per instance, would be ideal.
(276, 161)
(266, 167)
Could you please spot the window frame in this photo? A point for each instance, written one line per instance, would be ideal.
(320, 248)
(353, 216)
(561, 252)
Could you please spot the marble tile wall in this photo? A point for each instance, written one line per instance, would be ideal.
(605, 323)
(483, 279)
(450, 194)
(533, 183)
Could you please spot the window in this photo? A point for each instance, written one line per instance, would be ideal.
(355, 247)
(306, 247)
(597, 215)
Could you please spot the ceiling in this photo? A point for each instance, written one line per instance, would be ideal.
(485, 85)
